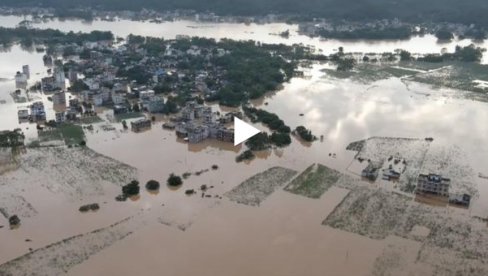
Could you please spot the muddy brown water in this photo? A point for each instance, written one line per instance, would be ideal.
(283, 236)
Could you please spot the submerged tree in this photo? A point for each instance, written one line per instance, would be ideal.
(174, 180)
(152, 185)
(131, 189)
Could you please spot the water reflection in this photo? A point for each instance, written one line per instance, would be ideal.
(240, 31)
(212, 144)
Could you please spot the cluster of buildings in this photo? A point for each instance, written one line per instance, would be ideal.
(72, 111)
(434, 184)
(35, 113)
(371, 171)
(55, 82)
(427, 184)
(128, 76)
(197, 123)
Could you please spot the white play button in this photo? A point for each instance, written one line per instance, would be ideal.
(243, 131)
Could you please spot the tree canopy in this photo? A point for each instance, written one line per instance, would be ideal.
(174, 180)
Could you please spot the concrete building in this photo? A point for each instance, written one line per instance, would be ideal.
(197, 123)
(26, 71)
(47, 84)
(460, 199)
(155, 105)
(120, 109)
(38, 113)
(182, 129)
(433, 184)
(118, 98)
(146, 95)
(59, 78)
(23, 114)
(198, 133)
(140, 124)
(60, 117)
(72, 75)
(59, 98)
(98, 99)
(71, 113)
(20, 80)
(48, 60)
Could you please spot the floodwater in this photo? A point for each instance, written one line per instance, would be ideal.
(284, 235)
(266, 33)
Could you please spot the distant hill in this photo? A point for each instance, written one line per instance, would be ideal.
(456, 11)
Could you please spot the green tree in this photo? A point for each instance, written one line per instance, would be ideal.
(405, 55)
(152, 185)
(131, 189)
(174, 180)
(444, 34)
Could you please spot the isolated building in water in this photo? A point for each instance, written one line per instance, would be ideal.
(26, 71)
(20, 80)
(433, 184)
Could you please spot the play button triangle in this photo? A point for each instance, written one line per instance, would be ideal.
(243, 131)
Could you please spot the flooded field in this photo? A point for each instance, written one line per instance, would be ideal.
(343, 226)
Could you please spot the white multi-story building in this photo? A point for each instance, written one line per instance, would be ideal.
(26, 71)
(59, 78)
(20, 80)
(59, 98)
(146, 95)
(433, 184)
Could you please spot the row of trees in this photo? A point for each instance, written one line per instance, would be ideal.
(466, 12)
(279, 137)
(29, 37)
(403, 32)
(469, 53)
(271, 120)
(133, 189)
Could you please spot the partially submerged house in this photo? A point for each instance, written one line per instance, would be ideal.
(371, 171)
(460, 199)
(390, 175)
(433, 184)
(140, 124)
(38, 113)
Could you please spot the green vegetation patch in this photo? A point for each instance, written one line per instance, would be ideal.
(130, 115)
(11, 138)
(90, 120)
(314, 181)
(48, 135)
(72, 134)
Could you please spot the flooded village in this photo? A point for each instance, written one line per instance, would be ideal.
(113, 149)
